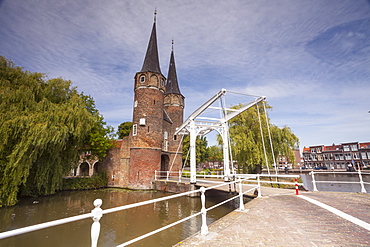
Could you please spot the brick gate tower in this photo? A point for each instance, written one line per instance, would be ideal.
(158, 111)
(174, 107)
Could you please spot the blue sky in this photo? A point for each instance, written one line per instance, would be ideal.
(311, 59)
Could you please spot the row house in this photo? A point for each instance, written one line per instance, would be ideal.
(340, 156)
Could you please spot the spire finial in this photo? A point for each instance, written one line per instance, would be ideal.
(155, 14)
(173, 42)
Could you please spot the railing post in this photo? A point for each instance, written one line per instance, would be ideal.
(363, 190)
(296, 186)
(241, 206)
(96, 213)
(313, 181)
(204, 228)
(259, 186)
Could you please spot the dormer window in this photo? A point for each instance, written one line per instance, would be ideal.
(142, 79)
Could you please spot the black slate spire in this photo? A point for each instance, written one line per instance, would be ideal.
(151, 61)
(172, 84)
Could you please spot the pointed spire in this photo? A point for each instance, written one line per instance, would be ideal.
(151, 60)
(172, 84)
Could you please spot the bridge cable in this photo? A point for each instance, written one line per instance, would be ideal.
(228, 134)
(177, 151)
(268, 130)
(263, 141)
(187, 156)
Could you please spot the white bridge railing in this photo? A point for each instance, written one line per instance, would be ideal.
(359, 173)
(97, 213)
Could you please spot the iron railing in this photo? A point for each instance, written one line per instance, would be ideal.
(359, 173)
(97, 213)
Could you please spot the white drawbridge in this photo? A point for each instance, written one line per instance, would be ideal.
(209, 117)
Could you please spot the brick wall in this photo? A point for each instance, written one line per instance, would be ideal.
(143, 164)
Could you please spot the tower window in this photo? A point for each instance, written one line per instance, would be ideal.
(142, 121)
(162, 83)
(134, 129)
(175, 137)
(142, 79)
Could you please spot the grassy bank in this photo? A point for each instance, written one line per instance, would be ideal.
(83, 183)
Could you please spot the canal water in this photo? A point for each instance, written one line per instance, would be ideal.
(116, 228)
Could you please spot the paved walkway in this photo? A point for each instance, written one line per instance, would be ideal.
(290, 220)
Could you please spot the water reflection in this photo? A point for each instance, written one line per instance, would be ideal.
(116, 228)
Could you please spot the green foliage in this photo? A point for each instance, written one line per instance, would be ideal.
(100, 138)
(44, 125)
(246, 141)
(200, 149)
(124, 129)
(215, 153)
(99, 180)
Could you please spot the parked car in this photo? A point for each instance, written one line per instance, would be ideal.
(321, 168)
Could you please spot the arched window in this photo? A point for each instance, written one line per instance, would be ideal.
(142, 79)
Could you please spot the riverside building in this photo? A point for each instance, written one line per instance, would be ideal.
(339, 156)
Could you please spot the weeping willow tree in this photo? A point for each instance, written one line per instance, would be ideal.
(44, 125)
(201, 149)
(246, 140)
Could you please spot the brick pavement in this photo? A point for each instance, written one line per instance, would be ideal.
(287, 220)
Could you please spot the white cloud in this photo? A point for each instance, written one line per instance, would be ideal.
(271, 48)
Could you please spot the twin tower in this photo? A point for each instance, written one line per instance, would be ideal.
(158, 111)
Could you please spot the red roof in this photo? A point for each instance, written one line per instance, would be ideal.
(331, 148)
(364, 145)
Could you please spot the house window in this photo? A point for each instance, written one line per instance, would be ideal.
(341, 157)
(346, 148)
(363, 156)
(354, 147)
(134, 129)
(356, 156)
(175, 137)
(165, 134)
(348, 156)
(336, 156)
(142, 79)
